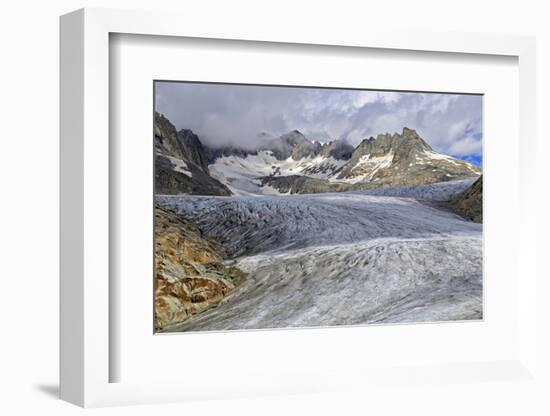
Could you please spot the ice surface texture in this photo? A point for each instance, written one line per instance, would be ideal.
(341, 258)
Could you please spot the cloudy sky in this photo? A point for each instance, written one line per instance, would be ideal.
(235, 114)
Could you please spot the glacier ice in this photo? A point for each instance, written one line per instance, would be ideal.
(379, 256)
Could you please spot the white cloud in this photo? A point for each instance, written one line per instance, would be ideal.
(465, 146)
(456, 130)
(235, 114)
(362, 98)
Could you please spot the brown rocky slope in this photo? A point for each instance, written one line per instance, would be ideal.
(190, 276)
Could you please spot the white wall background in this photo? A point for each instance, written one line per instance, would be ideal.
(29, 208)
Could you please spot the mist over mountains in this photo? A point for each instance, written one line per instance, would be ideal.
(230, 114)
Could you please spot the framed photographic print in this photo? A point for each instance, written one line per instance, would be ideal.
(289, 210)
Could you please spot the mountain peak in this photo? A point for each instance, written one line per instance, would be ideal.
(283, 146)
(338, 149)
(293, 135)
(265, 134)
(186, 132)
(364, 142)
(398, 159)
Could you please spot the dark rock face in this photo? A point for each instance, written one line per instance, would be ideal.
(184, 145)
(169, 181)
(192, 149)
(469, 203)
(338, 149)
(166, 137)
(181, 162)
(216, 153)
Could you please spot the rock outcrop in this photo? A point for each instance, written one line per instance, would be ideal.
(338, 149)
(292, 144)
(469, 203)
(190, 275)
(227, 150)
(299, 184)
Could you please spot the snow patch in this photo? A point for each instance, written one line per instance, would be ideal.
(179, 165)
(241, 175)
(367, 167)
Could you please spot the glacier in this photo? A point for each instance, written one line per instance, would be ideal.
(242, 174)
(380, 256)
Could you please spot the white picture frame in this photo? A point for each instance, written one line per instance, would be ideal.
(85, 354)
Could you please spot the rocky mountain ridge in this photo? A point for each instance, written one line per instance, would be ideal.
(292, 144)
(181, 162)
(403, 159)
(292, 163)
